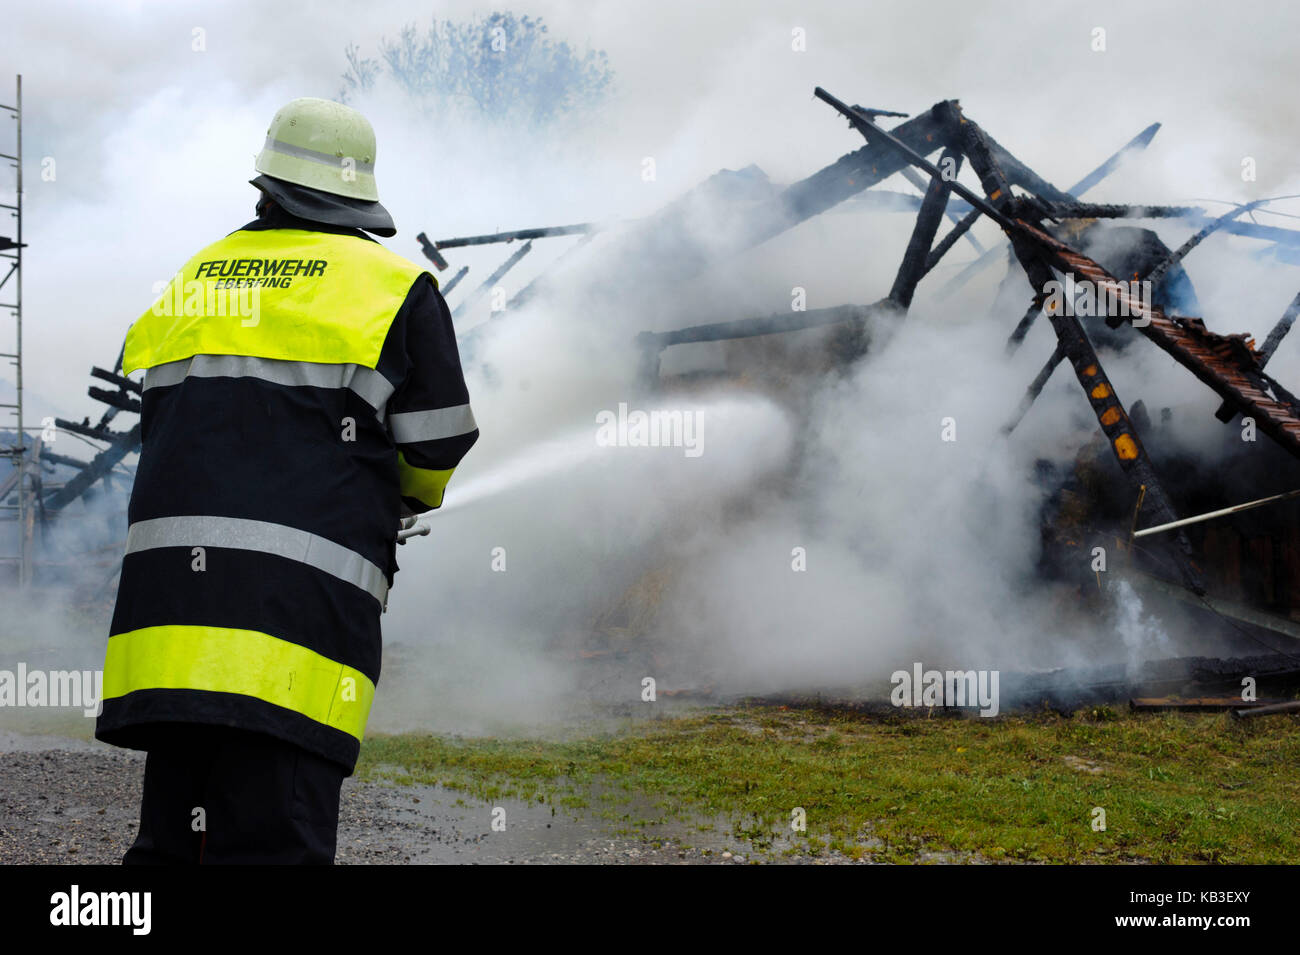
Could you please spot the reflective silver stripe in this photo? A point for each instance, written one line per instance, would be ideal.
(264, 537)
(314, 155)
(370, 385)
(373, 388)
(163, 376)
(411, 426)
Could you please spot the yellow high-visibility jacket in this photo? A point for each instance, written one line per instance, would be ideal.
(302, 384)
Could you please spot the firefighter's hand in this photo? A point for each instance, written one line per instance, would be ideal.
(404, 524)
(411, 528)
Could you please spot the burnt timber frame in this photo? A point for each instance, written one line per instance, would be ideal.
(120, 443)
(652, 344)
(1030, 247)
(492, 279)
(1227, 364)
(915, 258)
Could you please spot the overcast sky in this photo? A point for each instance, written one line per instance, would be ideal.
(152, 141)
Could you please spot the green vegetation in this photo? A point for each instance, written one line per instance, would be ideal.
(504, 68)
(1176, 788)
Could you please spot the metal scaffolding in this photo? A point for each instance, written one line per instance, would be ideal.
(11, 248)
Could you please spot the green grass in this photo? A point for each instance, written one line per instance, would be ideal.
(1175, 788)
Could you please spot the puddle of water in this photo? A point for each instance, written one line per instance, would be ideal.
(434, 824)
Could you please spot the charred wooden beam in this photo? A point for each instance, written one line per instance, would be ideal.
(580, 228)
(941, 112)
(1136, 144)
(528, 291)
(106, 418)
(455, 280)
(1246, 711)
(89, 431)
(913, 266)
(972, 141)
(652, 344)
(431, 252)
(1157, 274)
(955, 216)
(1279, 331)
(1026, 322)
(116, 399)
(1119, 210)
(949, 240)
(47, 455)
(492, 279)
(750, 327)
(1113, 418)
(1035, 389)
(125, 443)
(1290, 238)
(1195, 704)
(1017, 173)
(122, 382)
(1227, 411)
(871, 112)
(846, 177)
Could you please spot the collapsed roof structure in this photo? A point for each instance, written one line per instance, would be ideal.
(1138, 287)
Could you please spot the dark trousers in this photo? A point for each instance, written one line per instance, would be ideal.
(216, 795)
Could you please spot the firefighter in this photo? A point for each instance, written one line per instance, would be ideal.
(302, 398)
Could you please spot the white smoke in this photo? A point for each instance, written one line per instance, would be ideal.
(1144, 637)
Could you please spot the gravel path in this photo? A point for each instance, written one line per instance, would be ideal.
(74, 802)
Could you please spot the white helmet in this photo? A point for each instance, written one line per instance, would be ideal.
(322, 145)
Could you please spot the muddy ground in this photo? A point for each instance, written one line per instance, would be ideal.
(73, 802)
